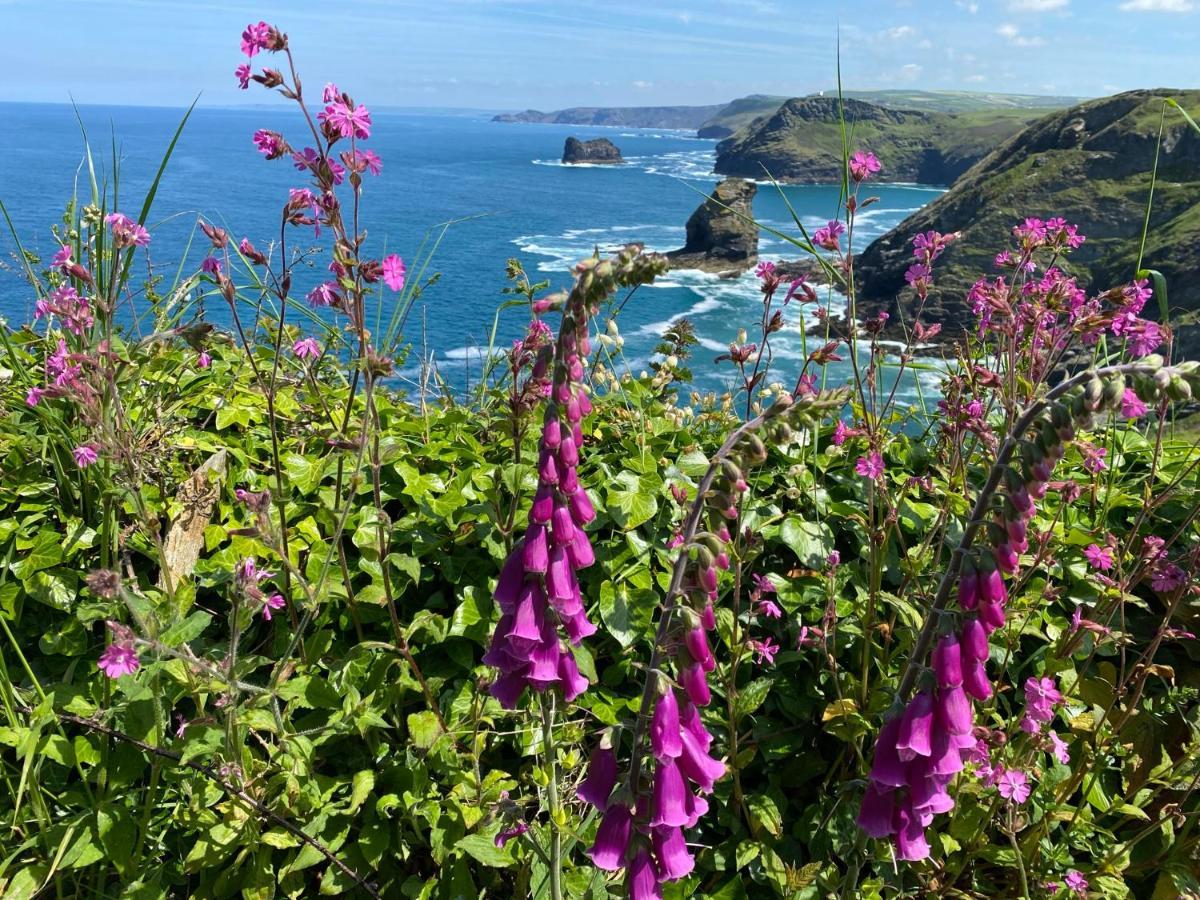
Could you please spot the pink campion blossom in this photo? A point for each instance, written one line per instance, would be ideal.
(1098, 557)
(330, 92)
(204, 359)
(841, 431)
(833, 560)
(1078, 622)
(870, 466)
(1041, 696)
(863, 164)
(1014, 785)
(125, 231)
(34, 396)
(269, 143)
(306, 348)
(242, 73)
(211, 265)
(1076, 882)
(346, 121)
(828, 236)
(61, 258)
(271, 603)
(1166, 577)
(764, 651)
(769, 609)
(1093, 457)
(1059, 748)
(1132, 406)
(394, 272)
(85, 455)
(119, 658)
(324, 294)
(363, 161)
(809, 637)
(255, 37)
(764, 269)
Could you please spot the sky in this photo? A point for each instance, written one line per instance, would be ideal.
(548, 54)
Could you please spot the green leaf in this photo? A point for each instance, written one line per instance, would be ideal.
(45, 552)
(765, 814)
(631, 499)
(752, 696)
(187, 630)
(424, 729)
(812, 542)
(482, 848)
(364, 783)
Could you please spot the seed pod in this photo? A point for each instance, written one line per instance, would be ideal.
(1048, 437)
(1145, 388)
(1079, 408)
(1114, 392)
(1060, 416)
(711, 541)
(783, 434)
(1154, 360)
(731, 471)
(757, 450)
(1162, 379)
(1093, 393)
(1178, 389)
(704, 559)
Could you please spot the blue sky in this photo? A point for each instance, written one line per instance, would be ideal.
(502, 54)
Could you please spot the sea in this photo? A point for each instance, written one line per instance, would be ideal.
(483, 191)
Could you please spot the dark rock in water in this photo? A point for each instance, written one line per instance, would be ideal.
(721, 234)
(1090, 164)
(601, 151)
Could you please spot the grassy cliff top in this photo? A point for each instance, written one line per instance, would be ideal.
(802, 140)
(1090, 164)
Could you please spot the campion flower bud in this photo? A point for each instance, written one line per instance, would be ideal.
(104, 583)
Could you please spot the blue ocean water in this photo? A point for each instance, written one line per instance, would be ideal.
(503, 181)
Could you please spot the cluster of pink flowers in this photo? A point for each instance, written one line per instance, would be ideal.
(74, 310)
(829, 236)
(927, 246)
(247, 578)
(1051, 310)
(256, 37)
(126, 232)
(538, 590)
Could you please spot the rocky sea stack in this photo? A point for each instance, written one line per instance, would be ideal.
(600, 151)
(721, 234)
(1089, 164)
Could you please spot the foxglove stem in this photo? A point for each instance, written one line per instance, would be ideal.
(555, 861)
(929, 627)
(688, 534)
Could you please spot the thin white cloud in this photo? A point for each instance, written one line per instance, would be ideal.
(900, 32)
(909, 72)
(972, 8)
(1173, 6)
(1012, 34)
(642, 85)
(975, 79)
(1036, 5)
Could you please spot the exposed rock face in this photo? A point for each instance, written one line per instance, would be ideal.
(601, 151)
(1089, 164)
(721, 236)
(802, 141)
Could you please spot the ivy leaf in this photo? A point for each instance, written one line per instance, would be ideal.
(812, 542)
(631, 500)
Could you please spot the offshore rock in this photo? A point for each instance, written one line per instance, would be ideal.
(600, 151)
(721, 234)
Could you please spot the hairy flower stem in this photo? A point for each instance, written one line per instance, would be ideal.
(983, 501)
(552, 800)
(691, 525)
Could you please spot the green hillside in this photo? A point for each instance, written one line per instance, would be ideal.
(802, 141)
(1089, 164)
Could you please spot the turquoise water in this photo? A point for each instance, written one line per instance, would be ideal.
(504, 179)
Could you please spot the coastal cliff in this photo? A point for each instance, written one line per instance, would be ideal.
(721, 234)
(802, 141)
(1089, 164)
